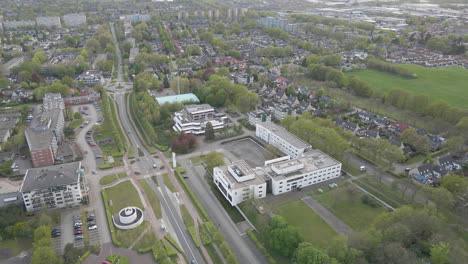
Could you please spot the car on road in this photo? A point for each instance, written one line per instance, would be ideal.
(407, 169)
(362, 168)
(192, 261)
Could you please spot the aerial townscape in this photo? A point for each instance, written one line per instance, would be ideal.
(233, 132)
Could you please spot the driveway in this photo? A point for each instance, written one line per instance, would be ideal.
(94, 192)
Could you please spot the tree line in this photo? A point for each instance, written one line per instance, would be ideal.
(274, 51)
(380, 65)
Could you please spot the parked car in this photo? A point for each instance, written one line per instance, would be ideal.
(57, 234)
(94, 171)
(92, 227)
(78, 237)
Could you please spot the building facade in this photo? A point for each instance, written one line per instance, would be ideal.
(74, 19)
(42, 147)
(312, 168)
(57, 186)
(280, 138)
(238, 182)
(193, 119)
(258, 116)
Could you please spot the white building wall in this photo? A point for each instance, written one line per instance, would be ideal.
(278, 142)
(306, 179)
(59, 197)
(238, 195)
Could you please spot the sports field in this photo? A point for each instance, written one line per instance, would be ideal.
(449, 84)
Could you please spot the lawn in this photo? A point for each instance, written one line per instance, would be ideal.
(122, 195)
(147, 240)
(448, 84)
(168, 182)
(153, 198)
(115, 201)
(312, 227)
(111, 178)
(350, 209)
(188, 220)
(16, 245)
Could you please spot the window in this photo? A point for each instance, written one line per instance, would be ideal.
(28, 204)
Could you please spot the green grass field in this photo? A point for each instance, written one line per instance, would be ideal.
(351, 211)
(111, 178)
(312, 227)
(446, 83)
(152, 197)
(119, 201)
(168, 182)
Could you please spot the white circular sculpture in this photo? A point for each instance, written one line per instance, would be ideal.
(128, 218)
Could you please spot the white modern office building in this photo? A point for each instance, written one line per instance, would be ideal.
(193, 119)
(239, 182)
(312, 168)
(280, 138)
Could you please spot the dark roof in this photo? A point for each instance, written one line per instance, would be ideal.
(395, 142)
(350, 126)
(419, 178)
(425, 169)
(52, 176)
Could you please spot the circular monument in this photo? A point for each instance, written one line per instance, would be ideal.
(128, 218)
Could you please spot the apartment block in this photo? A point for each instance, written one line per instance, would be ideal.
(56, 186)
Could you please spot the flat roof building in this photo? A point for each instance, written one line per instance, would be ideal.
(280, 138)
(74, 19)
(49, 21)
(239, 182)
(193, 119)
(180, 98)
(53, 187)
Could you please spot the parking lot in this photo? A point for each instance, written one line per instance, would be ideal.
(247, 150)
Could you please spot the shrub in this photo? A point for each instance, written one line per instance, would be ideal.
(106, 166)
(205, 237)
(171, 252)
(193, 234)
(366, 199)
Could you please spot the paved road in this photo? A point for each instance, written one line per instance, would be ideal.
(89, 161)
(242, 247)
(145, 165)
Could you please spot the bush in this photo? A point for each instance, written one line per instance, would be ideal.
(366, 199)
(83, 257)
(205, 237)
(173, 242)
(199, 207)
(193, 234)
(109, 219)
(106, 166)
(171, 252)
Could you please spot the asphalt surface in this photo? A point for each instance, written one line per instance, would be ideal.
(241, 245)
(144, 165)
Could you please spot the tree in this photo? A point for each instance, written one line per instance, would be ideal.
(440, 253)
(308, 254)
(213, 159)
(454, 183)
(245, 103)
(209, 132)
(68, 131)
(282, 237)
(77, 115)
(184, 143)
(419, 142)
(44, 255)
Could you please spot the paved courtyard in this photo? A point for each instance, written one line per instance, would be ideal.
(248, 150)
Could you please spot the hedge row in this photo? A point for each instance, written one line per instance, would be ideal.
(106, 166)
(193, 234)
(83, 257)
(438, 153)
(171, 252)
(188, 190)
(260, 246)
(173, 242)
(205, 237)
(109, 219)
